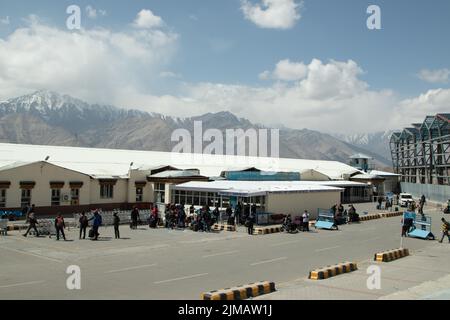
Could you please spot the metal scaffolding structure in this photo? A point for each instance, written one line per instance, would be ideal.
(421, 153)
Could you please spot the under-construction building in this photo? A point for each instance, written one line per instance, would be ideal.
(421, 155)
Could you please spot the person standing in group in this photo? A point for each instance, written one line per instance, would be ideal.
(60, 226)
(237, 213)
(31, 217)
(445, 230)
(96, 224)
(250, 223)
(305, 218)
(135, 218)
(83, 224)
(181, 217)
(116, 223)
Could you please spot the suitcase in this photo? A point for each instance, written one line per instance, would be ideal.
(91, 233)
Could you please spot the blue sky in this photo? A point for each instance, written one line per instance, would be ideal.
(216, 45)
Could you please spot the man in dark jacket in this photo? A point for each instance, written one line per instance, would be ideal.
(32, 221)
(250, 223)
(83, 224)
(116, 223)
(134, 218)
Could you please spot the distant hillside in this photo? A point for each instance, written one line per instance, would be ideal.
(49, 118)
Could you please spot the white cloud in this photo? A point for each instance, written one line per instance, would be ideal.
(415, 109)
(193, 17)
(91, 64)
(287, 71)
(94, 13)
(434, 76)
(169, 74)
(5, 20)
(102, 66)
(265, 75)
(275, 14)
(146, 20)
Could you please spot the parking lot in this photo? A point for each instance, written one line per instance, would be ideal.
(176, 264)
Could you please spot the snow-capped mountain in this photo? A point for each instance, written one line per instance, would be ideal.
(378, 142)
(49, 118)
(64, 110)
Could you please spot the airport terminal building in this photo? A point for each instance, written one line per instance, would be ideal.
(70, 179)
(421, 156)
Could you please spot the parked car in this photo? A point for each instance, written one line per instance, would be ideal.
(405, 199)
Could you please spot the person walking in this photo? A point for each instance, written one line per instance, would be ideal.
(305, 217)
(445, 229)
(84, 222)
(116, 223)
(250, 223)
(60, 226)
(31, 217)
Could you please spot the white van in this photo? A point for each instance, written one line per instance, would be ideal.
(404, 199)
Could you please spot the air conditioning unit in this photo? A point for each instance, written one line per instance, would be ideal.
(65, 198)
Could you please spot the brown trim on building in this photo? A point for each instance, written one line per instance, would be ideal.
(57, 184)
(76, 184)
(27, 184)
(5, 184)
(140, 184)
(108, 181)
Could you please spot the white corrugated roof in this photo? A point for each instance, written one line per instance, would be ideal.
(114, 162)
(384, 173)
(252, 187)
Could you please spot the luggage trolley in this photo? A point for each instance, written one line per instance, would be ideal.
(421, 228)
(325, 220)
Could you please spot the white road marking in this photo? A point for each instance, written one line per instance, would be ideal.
(325, 249)
(268, 261)
(182, 278)
(21, 284)
(220, 254)
(32, 254)
(372, 239)
(132, 268)
(283, 243)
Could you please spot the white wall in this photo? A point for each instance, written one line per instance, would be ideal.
(295, 203)
(42, 174)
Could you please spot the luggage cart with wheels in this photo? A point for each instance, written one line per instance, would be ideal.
(421, 228)
(325, 220)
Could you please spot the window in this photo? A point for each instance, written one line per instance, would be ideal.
(56, 197)
(25, 199)
(160, 192)
(74, 196)
(106, 191)
(2, 198)
(139, 194)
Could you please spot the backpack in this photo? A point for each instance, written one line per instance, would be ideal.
(60, 221)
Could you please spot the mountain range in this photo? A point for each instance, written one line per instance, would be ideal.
(50, 118)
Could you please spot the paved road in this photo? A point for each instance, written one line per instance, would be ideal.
(163, 264)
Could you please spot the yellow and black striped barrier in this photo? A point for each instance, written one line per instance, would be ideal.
(241, 292)
(16, 227)
(226, 227)
(267, 230)
(331, 271)
(391, 214)
(369, 217)
(391, 255)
